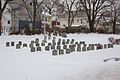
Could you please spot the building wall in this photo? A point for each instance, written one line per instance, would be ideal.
(6, 20)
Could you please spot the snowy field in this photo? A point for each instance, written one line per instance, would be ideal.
(24, 65)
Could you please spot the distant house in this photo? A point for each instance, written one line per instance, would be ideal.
(6, 20)
(79, 23)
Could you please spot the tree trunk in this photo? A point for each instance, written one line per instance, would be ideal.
(114, 27)
(91, 26)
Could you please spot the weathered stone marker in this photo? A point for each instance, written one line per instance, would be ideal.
(12, 43)
(32, 49)
(39, 48)
(7, 44)
(47, 48)
(61, 51)
(54, 52)
(18, 46)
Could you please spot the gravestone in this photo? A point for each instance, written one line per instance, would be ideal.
(61, 51)
(32, 49)
(105, 46)
(68, 51)
(84, 48)
(37, 44)
(32, 42)
(92, 47)
(64, 46)
(42, 44)
(24, 45)
(63, 43)
(49, 44)
(12, 43)
(58, 47)
(20, 42)
(47, 48)
(82, 42)
(99, 46)
(88, 48)
(7, 44)
(68, 40)
(18, 46)
(38, 48)
(54, 43)
(76, 43)
(58, 43)
(31, 45)
(54, 52)
(37, 40)
(52, 47)
(110, 45)
(78, 48)
(111, 40)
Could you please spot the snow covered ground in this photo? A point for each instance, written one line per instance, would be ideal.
(24, 65)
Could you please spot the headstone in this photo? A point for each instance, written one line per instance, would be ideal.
(99, 46)
(105, 46)
(61, 51)
(49, 44)
(42, 44)
(111, 40)
(83, 48)
(63, 43)
(110, 45)
(76, 43)
(82, 42)
(58, 43)
(47, 48)
(18, 46)
(20, 42)
(88, 48)
(52, 47)
(37, 40)
(67, 42)
(68, 51)
(54, 43)
(37, 44)
(58, 47)
(78, 48)
(31, 45)
(7, 44)
(24, 45)
(92, 47)
(32, 49)
(117, 41)
(32, 42)
(39, 48)
(12, 43)
(64, 46)
(54, 52)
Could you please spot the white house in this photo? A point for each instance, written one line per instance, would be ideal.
(6, 20)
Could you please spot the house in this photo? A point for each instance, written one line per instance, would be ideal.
(6, 19)
(80, 22)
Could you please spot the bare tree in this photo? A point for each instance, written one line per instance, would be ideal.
(2, 8)
(33, 8)
(115, 14)
(94, 8)
(72, 7)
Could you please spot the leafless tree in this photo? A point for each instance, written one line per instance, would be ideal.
(2, 8)
(71, 7)
(115, 14)
(33, 8)
(93, 9)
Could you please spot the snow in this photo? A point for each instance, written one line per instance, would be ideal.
(24, 65)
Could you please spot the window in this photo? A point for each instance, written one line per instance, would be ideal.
(8, 22)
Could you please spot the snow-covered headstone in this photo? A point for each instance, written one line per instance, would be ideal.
(18, 46)
(24, 45)
(12, 43)
(54, 52)
(39, 48)
(32, 49)
(7, 44)
(68, 51)
(61, 51)
(47, 48)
